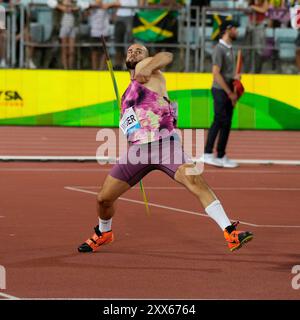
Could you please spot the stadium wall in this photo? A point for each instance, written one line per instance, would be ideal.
(86, 98)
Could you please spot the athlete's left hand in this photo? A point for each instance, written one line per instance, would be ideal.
(144, 75)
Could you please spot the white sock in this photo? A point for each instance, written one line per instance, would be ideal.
(216, 212)
(105, 225)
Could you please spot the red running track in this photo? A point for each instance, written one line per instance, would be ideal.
(58, 141)
(48, 209)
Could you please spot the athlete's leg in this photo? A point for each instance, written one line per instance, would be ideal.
(109, 193)
(112, 189)
(122, 177)
(197, 185)
(187, 173)
(178, 165)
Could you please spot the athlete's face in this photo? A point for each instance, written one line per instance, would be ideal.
(135, 54)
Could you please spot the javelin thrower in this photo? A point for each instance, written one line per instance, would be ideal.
(152, 125)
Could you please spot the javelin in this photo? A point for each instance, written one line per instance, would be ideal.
(113, 78)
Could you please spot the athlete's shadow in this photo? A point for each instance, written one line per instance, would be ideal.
(91, 261)
(177, 260)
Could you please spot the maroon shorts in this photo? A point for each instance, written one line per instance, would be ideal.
(166, 155)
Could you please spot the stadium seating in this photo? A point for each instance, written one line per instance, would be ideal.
(285, 43)
(41, 29)
(37, 32)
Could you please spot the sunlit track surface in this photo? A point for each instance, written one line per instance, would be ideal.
(58, 141)
(43, 221)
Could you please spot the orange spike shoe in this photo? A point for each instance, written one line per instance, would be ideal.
(236, 239)
(98, 239)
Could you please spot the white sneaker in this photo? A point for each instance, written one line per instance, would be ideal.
(209, 158)
(225, 162)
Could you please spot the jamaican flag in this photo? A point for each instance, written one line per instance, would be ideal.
(157, 25)
(217, 21)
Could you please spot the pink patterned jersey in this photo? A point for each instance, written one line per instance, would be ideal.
(156, 114)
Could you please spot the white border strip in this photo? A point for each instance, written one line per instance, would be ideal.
(8, 296)
(254, 161)
(111, 159)
(182, 210)
(55, 158)
(213, 187)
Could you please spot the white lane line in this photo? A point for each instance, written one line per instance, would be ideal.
(8, 296)
(215, 188)
(252, 161)
(105, 158)
(222, 170)
(2, 216)
(182, 210)
(53, 170)
(219, 170)
(54, 158)
(256, 189)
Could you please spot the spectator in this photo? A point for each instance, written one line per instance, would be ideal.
(298, 52)
(27, 36)
(50, 55)
(11, 5)
(2, 43)
(99, 24)
(294, 7)
(278, 13)
(3, 35)
(123, 27)
(67, 31)
(255, 35)
(2, 48)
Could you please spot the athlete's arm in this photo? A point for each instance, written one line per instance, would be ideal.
(151, 65)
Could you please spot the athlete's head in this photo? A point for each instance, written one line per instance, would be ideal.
(135, 54)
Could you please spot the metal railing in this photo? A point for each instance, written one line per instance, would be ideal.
(8, 37)
(193, 47)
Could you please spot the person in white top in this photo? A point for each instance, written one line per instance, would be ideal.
(99, 26)
(67, 32)
(3, 40)
(295, 23)
(123, 27)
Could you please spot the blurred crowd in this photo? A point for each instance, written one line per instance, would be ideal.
(77, 26)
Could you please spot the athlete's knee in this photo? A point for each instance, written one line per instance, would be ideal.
(189, 175)
(104, 200)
